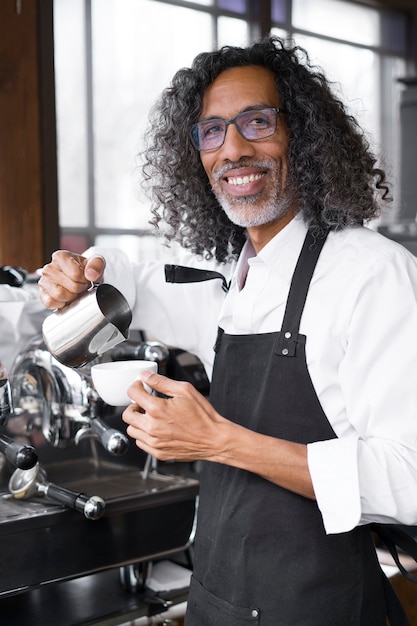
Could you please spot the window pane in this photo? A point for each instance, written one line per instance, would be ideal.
(238, 6)
(130, 68)
(338, 19)
(355, 74)
(232, 31)
(392, 70)
(145, 248)
(279, 10)
(396, 32)
(279, 32)
(74, 243)
(71, 112)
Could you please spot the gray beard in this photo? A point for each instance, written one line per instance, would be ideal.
(258, 209)
(245, 213)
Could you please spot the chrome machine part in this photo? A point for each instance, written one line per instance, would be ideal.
(6, 404)
(112, 440)
(60, 401)
(144, 350)
(18, 454)
(49, 396)
(96, 321)
(25, 483)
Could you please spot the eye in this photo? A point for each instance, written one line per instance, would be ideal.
(212, 128)
(258, 120)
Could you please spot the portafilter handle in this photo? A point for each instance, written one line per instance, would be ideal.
(25, 483)
(92, 506)
(19, 455)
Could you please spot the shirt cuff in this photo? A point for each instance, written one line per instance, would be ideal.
(333, 466)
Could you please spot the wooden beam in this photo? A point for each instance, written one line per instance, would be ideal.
(27, 133)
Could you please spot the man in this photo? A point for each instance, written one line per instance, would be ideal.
(310, 433)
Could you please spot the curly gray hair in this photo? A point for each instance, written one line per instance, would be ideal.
(329, 158)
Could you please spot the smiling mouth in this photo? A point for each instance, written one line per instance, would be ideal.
(244, 180)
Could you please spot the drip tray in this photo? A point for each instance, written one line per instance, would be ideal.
(42, 541)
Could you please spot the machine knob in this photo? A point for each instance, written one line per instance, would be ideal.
(115, 442)
(112, 439)
(25, 458)
(94, 507)
(19, 455)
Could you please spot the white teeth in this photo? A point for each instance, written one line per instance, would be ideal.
(244, 180)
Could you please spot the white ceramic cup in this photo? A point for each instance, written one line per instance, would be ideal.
(113, 379)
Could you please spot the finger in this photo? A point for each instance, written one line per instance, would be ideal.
(137, 422)
(174, 388)
(142, 400)
(62, 279)
(134, 431)
(168, 386)
(52, 300)
(69, 264)
(143, 445)
(65, 269)
(131, 413)
(154, 444)
(94, 268)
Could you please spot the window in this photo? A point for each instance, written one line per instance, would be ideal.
(113, 58)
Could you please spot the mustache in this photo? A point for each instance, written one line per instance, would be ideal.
(264, 164)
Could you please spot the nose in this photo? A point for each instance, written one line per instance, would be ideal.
(235, 145)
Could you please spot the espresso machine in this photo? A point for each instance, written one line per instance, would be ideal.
(18, 455)
(82, 510)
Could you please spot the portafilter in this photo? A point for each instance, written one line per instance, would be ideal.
(26, 483)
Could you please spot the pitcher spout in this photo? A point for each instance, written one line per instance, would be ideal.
(107, 338)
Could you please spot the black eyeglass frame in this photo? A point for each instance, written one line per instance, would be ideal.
(194, 128)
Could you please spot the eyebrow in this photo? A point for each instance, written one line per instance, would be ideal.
(251, 107)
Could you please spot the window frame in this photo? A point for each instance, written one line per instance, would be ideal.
(258, 17)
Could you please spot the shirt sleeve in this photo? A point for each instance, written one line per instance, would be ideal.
(370, 473)
(180, 315)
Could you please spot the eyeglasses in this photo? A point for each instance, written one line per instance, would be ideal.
(252, 125)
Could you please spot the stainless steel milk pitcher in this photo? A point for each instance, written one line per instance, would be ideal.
(96, 321)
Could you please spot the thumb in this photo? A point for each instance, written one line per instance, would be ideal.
(94, 268)
(162, 384)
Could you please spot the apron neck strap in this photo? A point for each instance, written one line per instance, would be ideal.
(297, 296)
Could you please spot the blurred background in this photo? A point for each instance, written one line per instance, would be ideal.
(78, 77)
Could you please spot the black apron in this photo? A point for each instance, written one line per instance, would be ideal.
(261, 552)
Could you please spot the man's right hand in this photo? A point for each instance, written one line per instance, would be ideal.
(66, 276)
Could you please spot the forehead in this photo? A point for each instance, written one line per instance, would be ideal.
(239, 88)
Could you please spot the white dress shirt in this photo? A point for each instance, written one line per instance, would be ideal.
(360, 320)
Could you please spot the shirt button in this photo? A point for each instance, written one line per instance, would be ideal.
(255, 613)
(285, 351)
(287, 335)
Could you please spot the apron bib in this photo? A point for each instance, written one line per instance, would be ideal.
(261, 552)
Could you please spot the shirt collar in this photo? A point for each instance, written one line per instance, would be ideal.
(280, 254)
